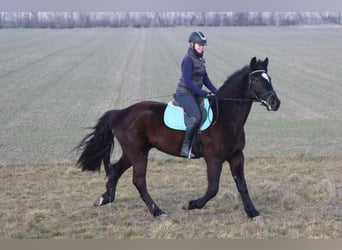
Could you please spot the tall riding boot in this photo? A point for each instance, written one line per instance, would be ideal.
(189, 133)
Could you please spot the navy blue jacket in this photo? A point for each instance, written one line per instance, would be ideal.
(194, 75)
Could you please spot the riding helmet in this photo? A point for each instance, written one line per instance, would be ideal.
(198, 37)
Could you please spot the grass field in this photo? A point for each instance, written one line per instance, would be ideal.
(55, 83)
(297, 198)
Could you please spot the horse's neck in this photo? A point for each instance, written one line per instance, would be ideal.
(238, 89)
(234, 107)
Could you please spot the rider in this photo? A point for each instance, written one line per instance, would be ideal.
(189, 93)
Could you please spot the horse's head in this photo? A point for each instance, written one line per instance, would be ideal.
(260, 85)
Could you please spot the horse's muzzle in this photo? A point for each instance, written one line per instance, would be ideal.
(272, 102)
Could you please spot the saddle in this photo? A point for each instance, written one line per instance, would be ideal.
(175, 117)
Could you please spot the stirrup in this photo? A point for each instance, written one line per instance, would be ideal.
(188, 155)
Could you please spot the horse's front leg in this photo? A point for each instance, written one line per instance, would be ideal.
(237, 170)
(214, 168)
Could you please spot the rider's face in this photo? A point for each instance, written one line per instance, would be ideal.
(199, 48)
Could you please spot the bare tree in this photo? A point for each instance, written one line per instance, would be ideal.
(240, 19)
(162, 19)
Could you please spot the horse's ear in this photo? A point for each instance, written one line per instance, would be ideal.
(266, 62)
(252, 63)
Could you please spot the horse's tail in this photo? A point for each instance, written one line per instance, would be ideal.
(98, 145)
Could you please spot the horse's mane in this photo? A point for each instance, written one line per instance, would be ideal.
(233, 77)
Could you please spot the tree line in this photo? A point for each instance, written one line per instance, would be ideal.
(163, 19)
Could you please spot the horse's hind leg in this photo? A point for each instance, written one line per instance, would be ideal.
(115, 172)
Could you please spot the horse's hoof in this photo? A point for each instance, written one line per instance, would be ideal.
(162, 216)
(157, 213)
(259, 219)
(99, 202)
(185, 206)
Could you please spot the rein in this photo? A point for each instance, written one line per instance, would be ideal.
(236, 99)
(239, 100)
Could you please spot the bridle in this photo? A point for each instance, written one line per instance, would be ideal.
(257, 98)
(267, 94)
(261, 99)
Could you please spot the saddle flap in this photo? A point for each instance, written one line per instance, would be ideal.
(174, 116)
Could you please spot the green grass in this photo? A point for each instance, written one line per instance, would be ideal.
(54, 83)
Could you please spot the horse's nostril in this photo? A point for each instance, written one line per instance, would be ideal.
(276, 105)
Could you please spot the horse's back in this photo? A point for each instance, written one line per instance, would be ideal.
(145, 108)
(140, 115)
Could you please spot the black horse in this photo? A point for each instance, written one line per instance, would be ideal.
(140, 127)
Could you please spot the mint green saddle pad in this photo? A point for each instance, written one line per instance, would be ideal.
(174, 116)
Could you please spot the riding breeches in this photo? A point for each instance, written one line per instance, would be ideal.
(190, 105)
